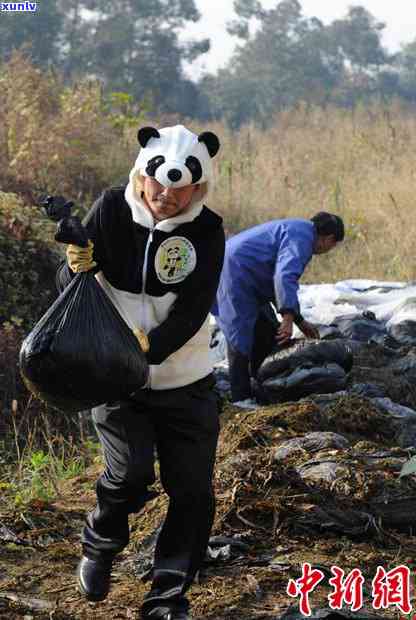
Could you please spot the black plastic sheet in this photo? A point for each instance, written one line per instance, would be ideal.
(319, 368)
(318, 354)
(293, 613)
(301, 382)
(364, 328)
(404, 332)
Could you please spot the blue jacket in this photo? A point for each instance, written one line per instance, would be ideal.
(261, 264)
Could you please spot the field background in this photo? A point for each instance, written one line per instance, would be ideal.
(358, 163)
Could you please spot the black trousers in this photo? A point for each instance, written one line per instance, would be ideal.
(183, 424)
(243, 367)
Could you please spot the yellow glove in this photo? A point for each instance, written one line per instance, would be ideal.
(80, 259)
(142, 338)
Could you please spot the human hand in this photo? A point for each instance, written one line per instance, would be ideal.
(309, 330)
(284, 333)
(80, 259)
(142, 339)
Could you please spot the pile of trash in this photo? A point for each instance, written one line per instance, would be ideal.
(347, 408)
(314, 472)
(315, 475)
(367, 347)
(319, 475)
(315, 481)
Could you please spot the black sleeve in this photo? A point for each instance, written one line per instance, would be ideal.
(192, 305)
(92, 223)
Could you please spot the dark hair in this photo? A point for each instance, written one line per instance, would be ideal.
(329, 224)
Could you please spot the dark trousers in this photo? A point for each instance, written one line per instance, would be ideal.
(183, 424)
(243, 367)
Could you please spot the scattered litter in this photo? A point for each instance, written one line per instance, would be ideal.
(312, 442)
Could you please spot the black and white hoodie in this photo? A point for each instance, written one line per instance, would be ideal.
(161, 276)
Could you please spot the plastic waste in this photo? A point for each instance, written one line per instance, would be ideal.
(81, 353)
(317, 354)
(363, 328)
(310, 379)
(312, 442)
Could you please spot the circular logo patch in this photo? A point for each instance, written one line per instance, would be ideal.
(175, 259)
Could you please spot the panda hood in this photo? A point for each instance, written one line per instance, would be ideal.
(175, 157)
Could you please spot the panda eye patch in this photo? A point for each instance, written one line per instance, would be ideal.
(153, 164)
(195, 167)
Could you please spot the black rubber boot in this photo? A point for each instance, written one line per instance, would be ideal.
(94, 578)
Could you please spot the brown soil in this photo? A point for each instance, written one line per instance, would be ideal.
(268, 504)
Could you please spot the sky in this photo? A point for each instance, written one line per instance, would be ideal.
(398, 15)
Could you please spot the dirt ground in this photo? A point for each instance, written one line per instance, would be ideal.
(262, 503)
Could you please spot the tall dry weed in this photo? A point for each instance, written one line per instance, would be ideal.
(56, 138)
(359, 164)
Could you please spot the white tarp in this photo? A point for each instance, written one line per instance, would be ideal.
(322, 303)
(390, 302)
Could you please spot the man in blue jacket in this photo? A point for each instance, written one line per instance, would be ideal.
(262, 265)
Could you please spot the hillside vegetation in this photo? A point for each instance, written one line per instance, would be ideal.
(282, 55)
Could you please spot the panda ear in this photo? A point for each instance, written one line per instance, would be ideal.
(211, 142)
(145, 133)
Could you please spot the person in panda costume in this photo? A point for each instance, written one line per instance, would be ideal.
(157, 251)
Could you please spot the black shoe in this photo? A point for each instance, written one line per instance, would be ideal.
(94, 578)
(164, 613)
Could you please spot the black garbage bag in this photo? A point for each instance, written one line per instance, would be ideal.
(316, 354)
(404, 332)
(303, 381)
(364, 328)
(368, 390)
(81, 353)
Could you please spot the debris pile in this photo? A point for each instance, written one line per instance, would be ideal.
(314, 479)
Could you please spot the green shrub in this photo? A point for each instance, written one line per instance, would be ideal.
(28, 262)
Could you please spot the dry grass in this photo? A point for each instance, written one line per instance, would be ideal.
(359, 164)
